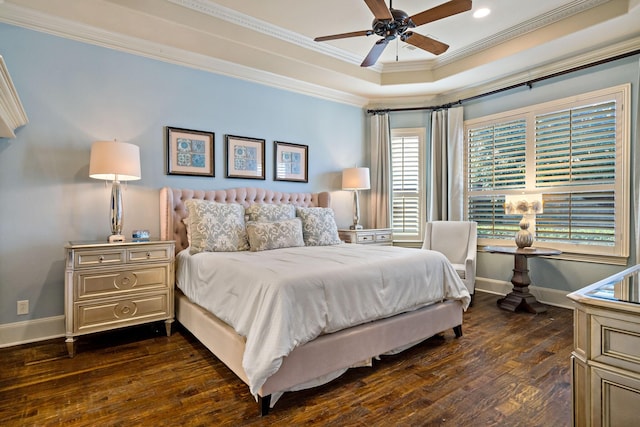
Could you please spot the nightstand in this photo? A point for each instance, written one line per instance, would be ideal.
(113, 285)
(367, 236)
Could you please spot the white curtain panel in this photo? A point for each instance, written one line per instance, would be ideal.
(380, 212)
(446, 177)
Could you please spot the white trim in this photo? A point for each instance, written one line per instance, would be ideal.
(560, 13)
(12, 114)
(546, 296)
(31, 330)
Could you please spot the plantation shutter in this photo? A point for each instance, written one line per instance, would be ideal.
(496, 160)
(406, 179)
(576, 149)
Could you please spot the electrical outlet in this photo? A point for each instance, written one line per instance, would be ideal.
(23, 306)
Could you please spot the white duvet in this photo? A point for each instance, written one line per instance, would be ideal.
(283, 298)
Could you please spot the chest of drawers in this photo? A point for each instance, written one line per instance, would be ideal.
(113, 285)
(370, 236)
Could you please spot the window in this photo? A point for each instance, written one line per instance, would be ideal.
(575, 152)
(408, 188)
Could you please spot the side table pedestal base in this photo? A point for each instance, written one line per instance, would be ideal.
(521, 300)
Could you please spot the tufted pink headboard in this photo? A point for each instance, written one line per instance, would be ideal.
(172, 209)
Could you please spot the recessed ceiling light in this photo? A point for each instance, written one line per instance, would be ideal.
(481, 13)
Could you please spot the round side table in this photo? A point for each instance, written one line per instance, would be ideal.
(519, 297)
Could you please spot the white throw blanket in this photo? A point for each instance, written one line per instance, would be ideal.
(283, 298)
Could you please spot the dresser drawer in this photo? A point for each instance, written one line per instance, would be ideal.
(92, 284)
(615, 342)
(150, 253)
(104, 315)
(85, 259)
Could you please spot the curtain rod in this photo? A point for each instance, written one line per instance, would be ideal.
(504, 89)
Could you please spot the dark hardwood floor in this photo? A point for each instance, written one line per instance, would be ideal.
(508, 369)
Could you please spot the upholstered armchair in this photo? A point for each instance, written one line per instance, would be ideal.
(456, 240)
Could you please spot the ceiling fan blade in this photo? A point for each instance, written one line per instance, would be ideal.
(374, 53)
(379, 9)
(344, 35)
(452, 7)
(425, 43)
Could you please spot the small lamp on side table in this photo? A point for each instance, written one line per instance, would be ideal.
(356, 179)
(115, 161)
(524, 204)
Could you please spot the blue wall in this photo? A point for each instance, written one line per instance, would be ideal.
(76, 93)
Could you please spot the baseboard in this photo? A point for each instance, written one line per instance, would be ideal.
(547, 296)
(31, 331)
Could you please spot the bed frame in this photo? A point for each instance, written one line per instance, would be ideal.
(324, 355)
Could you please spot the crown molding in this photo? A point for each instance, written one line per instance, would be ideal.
(551, 17)
(38, 21)
(586, 58)
(215, 10)
(558, 14)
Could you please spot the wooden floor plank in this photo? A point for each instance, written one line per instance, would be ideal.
(508, 369)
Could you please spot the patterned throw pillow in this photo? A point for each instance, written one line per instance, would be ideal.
(264, 236)
(318, 226)
(263, 212)
(215, 227)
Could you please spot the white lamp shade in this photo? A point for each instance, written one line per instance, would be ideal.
(113, 160)
(523, 204)
(356, 179)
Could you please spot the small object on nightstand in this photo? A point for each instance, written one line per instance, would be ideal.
(140, 235)
(113, 285)
(367, 236)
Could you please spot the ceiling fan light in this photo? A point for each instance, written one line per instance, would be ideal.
(481, 13)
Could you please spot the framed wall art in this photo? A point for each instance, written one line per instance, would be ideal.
(190, 152)
(245, 157)
(291, 162)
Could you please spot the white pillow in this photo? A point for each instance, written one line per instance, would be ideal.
(266, 212)
(318, 226)
(275, 235)
(215, 227)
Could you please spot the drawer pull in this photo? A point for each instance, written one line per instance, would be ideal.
(148, 255)
(125, 281)
(101, 258)
(125, 309)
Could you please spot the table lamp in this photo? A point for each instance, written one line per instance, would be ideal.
(525, 204)
(356, 179)
(115, 161)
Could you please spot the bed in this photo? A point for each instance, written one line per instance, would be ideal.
(304, 313)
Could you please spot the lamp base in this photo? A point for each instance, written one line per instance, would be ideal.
(524, 238)
(355, 227)
(116, 238)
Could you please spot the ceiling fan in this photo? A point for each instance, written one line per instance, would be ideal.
(390, 23)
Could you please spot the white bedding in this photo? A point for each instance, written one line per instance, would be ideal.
(283, 298)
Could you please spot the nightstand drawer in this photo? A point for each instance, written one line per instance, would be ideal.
(384, 237)
(105, 315)
(109, 282)
(150, 253)
(99, 257)
(365, 238)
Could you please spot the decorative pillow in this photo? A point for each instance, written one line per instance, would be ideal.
(215, 227)
(318, 226)
(263, 212)
(264, 236)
